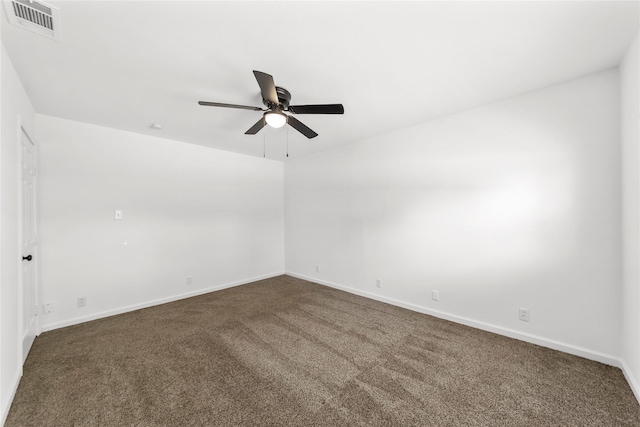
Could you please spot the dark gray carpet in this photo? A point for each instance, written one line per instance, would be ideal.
(288, 352)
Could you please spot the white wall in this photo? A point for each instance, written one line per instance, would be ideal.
(630, 125)
(14, 103)
(188, 211)
(514, 204)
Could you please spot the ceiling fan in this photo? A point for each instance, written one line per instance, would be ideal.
(277, 99)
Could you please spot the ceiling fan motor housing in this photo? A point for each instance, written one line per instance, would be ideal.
(284, 98)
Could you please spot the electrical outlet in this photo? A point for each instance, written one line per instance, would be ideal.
(82, 301)
(117, 214)
(378, 283)
(317, 269)
(524, 314)
(49, 308)
(189, 280)
(435, 295)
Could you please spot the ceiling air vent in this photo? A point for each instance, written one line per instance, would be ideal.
(36, 16)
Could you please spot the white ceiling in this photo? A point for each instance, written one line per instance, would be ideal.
(128, 64)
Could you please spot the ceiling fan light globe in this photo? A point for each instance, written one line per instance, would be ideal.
(275, 120)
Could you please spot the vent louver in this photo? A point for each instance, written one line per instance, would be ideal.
(34, 15)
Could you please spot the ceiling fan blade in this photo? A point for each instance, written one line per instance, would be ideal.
(301, 127)
(317, 109)
(257, 127)
(220, 104)
(267, 86)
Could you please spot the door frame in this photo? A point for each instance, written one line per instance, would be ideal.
(21, 308)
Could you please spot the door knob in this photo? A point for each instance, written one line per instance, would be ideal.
(28, 258)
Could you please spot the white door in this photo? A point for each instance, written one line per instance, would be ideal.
(29, 244)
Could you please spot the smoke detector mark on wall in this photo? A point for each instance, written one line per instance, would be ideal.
(36, 16)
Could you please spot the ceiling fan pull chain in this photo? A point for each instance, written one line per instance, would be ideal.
(264, 145)
(287, 142)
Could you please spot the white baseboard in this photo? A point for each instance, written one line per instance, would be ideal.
(120, 310)
(6, 403)
(522, 336)
(633, 383)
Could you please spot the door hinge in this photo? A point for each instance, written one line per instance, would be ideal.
(34, 170)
